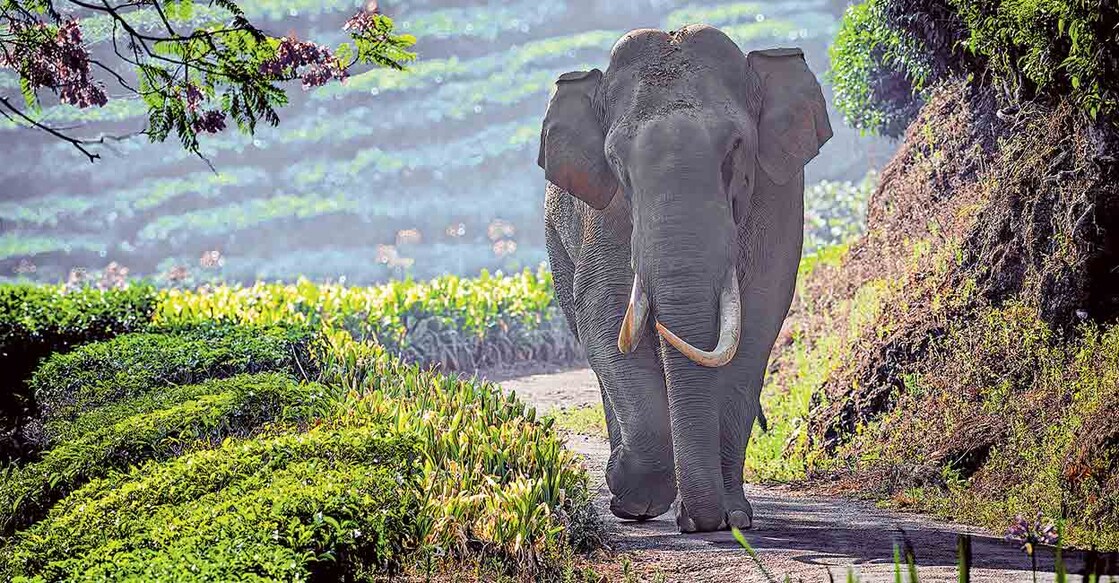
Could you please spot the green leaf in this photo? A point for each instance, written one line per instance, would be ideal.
(29, 95)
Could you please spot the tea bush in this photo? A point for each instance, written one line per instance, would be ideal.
(37, 321)
(159, 426)
(497, 479)
(136, 364)
(294, 506)
(378, 467)
(460, 323)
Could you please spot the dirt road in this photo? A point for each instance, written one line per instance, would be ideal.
(796, 533)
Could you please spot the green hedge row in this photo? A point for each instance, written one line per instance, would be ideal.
(152, 469)
(154, 426)
(461, 324)
(888, 52)
(133, 365)
(326, 504)
(37, 321)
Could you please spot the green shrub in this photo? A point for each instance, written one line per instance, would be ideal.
(398, 461)
(37, 321)
(408, 461)
(328, 503)
(876, 74)
(459, 323)
(497, 480)
(888, 52)
(160, 426)
(1066, 47)
(136, 364)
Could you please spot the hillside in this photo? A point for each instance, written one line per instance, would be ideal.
(416, 173)
(962, 356)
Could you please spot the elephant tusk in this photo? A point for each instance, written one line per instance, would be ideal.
(634, 321)
(730, 328)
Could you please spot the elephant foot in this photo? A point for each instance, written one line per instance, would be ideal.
(690, 524)
(740, 514)
(740, 519)
(639, 494)
(644, 499)
(636, 509)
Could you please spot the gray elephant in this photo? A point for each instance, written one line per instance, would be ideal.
(674, 219)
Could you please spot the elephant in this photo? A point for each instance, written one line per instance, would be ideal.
(674, 220)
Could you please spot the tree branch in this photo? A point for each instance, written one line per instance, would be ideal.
(118, 77)
(77, 143)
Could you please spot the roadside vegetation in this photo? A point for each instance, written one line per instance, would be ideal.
(456, 324)
(890, 54)
(959, 357)
(270, 439)
(462, 324)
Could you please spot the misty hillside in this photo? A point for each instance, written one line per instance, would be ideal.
(392, 174)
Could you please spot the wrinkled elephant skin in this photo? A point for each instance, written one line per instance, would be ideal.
(673, 222)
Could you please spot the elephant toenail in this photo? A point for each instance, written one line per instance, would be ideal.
(740, 519)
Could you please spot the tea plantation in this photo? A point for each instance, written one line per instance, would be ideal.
(264, 433)
(420, 172)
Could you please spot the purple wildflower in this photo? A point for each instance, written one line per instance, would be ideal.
(193, 96)
(1032, 533)
(59, 62)
(210, 122)
(317, 62)
(362, 22)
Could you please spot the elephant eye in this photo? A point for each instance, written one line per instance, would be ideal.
(615, 162)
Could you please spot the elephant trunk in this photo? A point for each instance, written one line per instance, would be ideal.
(694, 295)
(688, 304)
(730, 327)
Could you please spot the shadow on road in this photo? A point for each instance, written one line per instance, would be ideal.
(828, 532)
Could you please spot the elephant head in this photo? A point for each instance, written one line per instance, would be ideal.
(685, 127)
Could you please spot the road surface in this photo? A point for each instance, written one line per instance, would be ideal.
(797, 533)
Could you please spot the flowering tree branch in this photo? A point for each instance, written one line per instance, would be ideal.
(218, 67)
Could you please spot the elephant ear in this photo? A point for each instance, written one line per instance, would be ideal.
(572, 141)
(793, 119)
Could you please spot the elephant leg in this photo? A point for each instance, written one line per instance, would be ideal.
(640, 472)
(774, 223)
(740, 409)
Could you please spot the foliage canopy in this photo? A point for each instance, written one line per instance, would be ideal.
(888, 53)
(192, 64)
